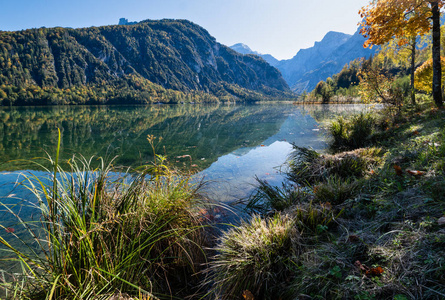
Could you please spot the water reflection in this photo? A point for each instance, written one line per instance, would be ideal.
(199, 131)
(230, 143)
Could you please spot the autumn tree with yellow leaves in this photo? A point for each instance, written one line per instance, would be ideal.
(424, 75)
(405, 20)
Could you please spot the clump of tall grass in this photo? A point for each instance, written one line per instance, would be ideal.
(312, 219)
(353, 133)
(307, 167)
(336, 190)
(100, 233)
(268, 198)
(304, 166)
(258, 256)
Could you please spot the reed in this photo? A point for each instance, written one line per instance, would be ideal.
(101, 233)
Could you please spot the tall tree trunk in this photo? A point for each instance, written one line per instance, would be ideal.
(437, 69)
(413, 65)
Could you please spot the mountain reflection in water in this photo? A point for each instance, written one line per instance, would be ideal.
(229, 143)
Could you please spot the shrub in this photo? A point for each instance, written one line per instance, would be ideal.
(312, 219)
(304, 166)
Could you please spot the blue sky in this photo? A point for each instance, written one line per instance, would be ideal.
(277, 27)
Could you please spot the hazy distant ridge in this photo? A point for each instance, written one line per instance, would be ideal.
(244, 49)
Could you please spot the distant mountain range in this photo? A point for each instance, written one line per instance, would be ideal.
(151, 61)
(324, 59)
(156, 61)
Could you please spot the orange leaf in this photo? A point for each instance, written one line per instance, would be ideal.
(398, 170)
(248, 295)
(415, 132)
(326, 205)
(374, 271)
(415, 172)
(402, 42)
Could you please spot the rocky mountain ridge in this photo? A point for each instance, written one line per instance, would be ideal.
(120, 62)
(326, 58)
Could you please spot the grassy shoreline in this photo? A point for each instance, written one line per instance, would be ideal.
(369, 213)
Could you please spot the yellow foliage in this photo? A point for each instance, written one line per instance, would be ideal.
(374, 85)
(384, 20)
(424, 75)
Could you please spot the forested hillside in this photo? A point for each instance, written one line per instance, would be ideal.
(167, 61)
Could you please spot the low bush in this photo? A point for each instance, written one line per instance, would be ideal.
(305, 166)
(312, 219)
(336, 190)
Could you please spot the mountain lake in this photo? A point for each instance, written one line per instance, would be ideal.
(228, 145)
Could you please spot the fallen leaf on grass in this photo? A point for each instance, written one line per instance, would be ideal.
(415, 172)
(247, 295)
(374, 271)
(398, 170)
(326, 205)
(9, 230)
(359, 265)
(415, 132)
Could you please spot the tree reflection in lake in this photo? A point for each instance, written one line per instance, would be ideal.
(231, 143)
